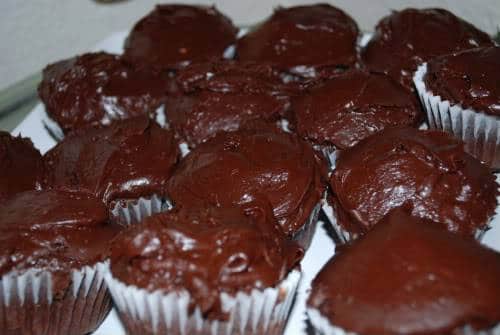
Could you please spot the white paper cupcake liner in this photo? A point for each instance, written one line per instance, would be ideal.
(259, 312)
(329, 152)
(132, 211)
(304, 236)
(29, 305)
(479, 131)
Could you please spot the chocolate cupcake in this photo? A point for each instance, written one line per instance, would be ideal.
(233, 168)
(173, 36)
(352, 106)
(428, 169)
(461, 94)
(223, 96)
(205, 270)
(126, 165)
(20, 165)
(98, 89)
(404, 39)
(305, 41)
(408, 276)
(54, 244)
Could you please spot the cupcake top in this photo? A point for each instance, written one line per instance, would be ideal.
(206, 251)
(432, 281)
(172, 36)
(223, 96)
(20, 165)
(407, 38)
(303, 40)
(352, 106)
(127, 160)
(97, 89)
(53, 230)
(469, 78)
(236, 167)
(428, 169)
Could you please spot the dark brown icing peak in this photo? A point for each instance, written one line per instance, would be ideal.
(56, 231)
(173, 36)
(206, 251)
(223, 96)
(409, 276)
(469, 78)
(407, 38)
(352, 106)
(129, 159)
(235, 167)
(428, 169)
(98, 88)
(303, 39)
(21, 167)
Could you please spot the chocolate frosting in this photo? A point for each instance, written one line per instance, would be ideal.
(97, 89)
(428, 169)
(303, 40)
(206, 251)
(222, 96)
(407, 38)
(236, 167)
(352, 106)
(55, 231)
(127, 160)
(20, 165)
(172, 36)
(409, 276)
(469, 78)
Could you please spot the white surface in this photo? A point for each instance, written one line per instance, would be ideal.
(322, 246)
(34, 33)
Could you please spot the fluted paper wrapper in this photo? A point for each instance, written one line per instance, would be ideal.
(259, 312)
(329, 152)
(479, 131)
(304, 236)
(132, 211)
(30, 307)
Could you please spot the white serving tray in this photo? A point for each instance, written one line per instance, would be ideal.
(322, 247)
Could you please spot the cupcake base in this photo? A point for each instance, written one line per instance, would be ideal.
(132, 211)
(304, 236)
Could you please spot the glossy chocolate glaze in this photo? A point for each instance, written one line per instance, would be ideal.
(222, 96)
(21, 167)
(407, 38)
(53, 230)
(172, 36)
(97, 89)
(409, 276)
(206, 251)
(127, 160)
(428, 169)
(353, 106)
(303, 40)
(236, 167)
(469, 78)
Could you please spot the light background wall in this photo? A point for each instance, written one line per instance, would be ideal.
(36, 32)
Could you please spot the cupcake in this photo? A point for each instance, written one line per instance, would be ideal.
(427, 169)
(233, 168)
(98, 89)
(54, 247)
(205, 270)
(340, 112)
(404, 39)
(20, 165)
(461, 94)
(173, 36)
(126, 165)
(303, 41)
(223, 96)
(408, 276)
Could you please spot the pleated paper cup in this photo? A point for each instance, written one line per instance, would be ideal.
(480, 132)
(304, 236)
(28, 305)
(258, 312)
(329, 152)
(133, 211)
